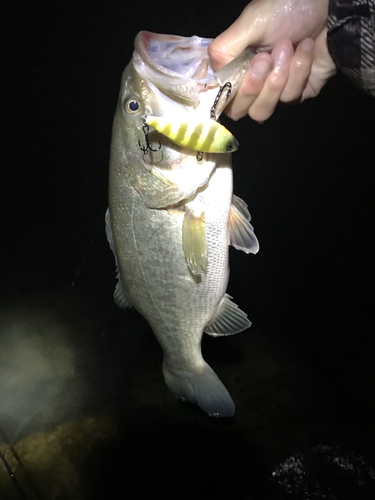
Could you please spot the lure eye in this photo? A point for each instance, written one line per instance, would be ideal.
(232, 145)
(132, 106)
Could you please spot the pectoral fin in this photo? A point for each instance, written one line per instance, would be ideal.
(229, 320)
(119, 296)
(241, 206)
(241, 232)
(194, 242)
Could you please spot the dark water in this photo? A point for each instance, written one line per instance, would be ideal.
(84, 411)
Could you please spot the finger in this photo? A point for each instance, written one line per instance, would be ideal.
(265, 104)
(246, 31)
(323, 67)
(299, 71)
(252, 84)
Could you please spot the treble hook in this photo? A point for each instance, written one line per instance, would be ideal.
(212, 112)
(145, 129)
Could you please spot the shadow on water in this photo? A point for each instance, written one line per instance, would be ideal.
(156, 458)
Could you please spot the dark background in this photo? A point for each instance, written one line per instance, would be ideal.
(302, 375)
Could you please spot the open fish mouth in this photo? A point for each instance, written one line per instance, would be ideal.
(176, 55)
(180, 68)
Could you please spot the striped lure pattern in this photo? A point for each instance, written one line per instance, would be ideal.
(207, 136)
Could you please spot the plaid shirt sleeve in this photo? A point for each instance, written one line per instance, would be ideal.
(351, 40)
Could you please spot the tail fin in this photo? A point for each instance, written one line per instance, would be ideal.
(202, 387)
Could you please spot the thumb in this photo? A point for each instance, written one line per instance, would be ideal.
(248, 30)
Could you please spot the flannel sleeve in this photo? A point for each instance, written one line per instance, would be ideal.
(351, 40)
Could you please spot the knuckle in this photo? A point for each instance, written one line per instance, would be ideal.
(275, 82)
(289, 96)
(302, 63)
(291, 92)
(259, 114)
(250, 88)
(234, 115)
(216, 55)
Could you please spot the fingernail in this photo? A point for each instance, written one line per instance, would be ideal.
(260, 68)
(282, 54)
(308, 44)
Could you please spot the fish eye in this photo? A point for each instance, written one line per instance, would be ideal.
(132, 106)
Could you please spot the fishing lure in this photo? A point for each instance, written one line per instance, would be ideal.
(146, 148)
(205, 135)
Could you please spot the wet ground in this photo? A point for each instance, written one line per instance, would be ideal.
(84, 411)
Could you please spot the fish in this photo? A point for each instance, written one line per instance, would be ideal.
(172, 213)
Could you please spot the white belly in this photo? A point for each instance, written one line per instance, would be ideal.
(154, 271)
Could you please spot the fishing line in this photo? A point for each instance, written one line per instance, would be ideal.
(10, 471)
(13, 477)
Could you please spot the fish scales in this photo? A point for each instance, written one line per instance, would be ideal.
(169, 216)
(165, 295)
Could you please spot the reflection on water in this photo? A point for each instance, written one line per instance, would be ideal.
(40, 382)
(326, 472)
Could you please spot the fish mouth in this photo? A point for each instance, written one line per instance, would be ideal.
(180, 67)
(176, 56)
(176, 65)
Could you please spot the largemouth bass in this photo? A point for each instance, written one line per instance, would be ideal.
(172, 213)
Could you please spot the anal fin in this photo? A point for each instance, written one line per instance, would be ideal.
(194, 242)
(229, 320)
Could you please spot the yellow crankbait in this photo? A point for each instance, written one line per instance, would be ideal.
(207, 136)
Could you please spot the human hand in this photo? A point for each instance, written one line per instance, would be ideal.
(287, 74)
